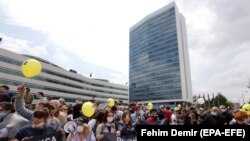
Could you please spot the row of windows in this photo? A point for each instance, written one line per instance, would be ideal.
(146, 69)
(158, 94)
(34, 86)
(157, 46)
(166, 92)
(169, 48)
(148, 79)
(165, 17)
(40, 78)
(168, 58)
(150, 36)
(151, 97)
(153, 30)
(164, 44)
(154, 72)
(19, 63)
(156, 82)
(156, 89)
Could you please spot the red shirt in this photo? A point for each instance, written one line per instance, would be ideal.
(151, 119)
(168, 115)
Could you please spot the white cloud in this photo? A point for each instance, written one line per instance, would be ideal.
(22, 46)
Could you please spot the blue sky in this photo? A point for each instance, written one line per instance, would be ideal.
(93, 36)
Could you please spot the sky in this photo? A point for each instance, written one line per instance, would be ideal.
(92, 36)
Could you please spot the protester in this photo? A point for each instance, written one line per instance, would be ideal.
(240, 118)
(77, 108)
(193, 115)
(118, 114)
(127, 130)
(225, 116)
(57, 113)
(64, 109)
(62, 101)
(28, 98)
(153, 116)
(161, 112)
(3, 95)
(106, 126)
(26, 113)
(168, 115)
(10, 122)
(213, 118)
(41, 97)
(5, 89)
(95, 120)
(83, 132)
(185, 117)
(39, 126)
(174, 116)
(140, 115)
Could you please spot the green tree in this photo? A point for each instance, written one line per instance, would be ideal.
(222, 100)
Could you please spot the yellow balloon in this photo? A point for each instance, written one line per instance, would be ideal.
(31, 68)
(111, 102)
(88, 109)
(150, 106)
(246, 108)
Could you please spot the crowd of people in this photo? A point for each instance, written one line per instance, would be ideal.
(20, 122)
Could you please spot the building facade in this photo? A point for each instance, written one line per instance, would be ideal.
(159, 69)
(57, 82)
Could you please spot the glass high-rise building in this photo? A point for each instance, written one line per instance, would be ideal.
(159, 69)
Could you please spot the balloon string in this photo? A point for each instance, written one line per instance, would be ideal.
(25, 81)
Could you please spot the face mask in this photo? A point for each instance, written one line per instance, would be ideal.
(39, 126)
(79, 129)
(214, 113)
(2, 114)
(110, 119)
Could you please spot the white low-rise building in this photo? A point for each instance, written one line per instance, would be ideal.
(57, 82)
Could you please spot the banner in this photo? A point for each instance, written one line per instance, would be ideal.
(50, 137)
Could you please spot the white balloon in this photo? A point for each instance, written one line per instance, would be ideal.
(201, 101)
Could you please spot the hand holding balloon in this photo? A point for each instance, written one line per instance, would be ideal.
(21, 90)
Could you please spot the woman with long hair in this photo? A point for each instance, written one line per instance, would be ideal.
(83, 133)
(106, 126)
(125, 127)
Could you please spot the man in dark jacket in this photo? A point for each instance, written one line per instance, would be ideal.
(77, 108)
(185, 117)
(213, 118)
(161, 112)
(225, 116)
